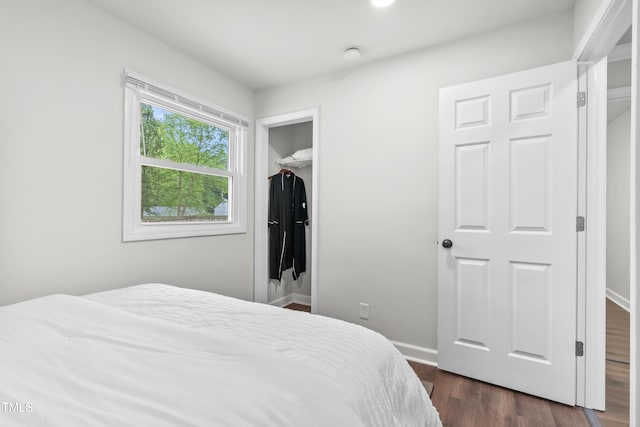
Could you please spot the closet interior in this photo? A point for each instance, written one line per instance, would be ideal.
(618, 280)
(290, 149)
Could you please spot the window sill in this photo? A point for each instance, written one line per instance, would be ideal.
(143, 232)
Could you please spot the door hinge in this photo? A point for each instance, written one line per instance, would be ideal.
(579, 223)
(582, 99)
(579, 348)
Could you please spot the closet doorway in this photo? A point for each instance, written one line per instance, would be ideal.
(278, 137)
(618, 284)
(604, 40)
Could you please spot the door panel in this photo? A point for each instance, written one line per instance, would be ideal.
(508, 201)
(531, 311)
(472, 172)
(530, 192)
(472, 289)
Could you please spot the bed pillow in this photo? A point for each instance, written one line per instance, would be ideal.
(299, 159)
(304, 154)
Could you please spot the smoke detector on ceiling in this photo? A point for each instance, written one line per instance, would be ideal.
(351, 54)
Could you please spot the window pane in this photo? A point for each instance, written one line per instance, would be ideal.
(171, 195)
(171, 136)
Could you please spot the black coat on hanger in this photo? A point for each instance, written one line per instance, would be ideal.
(287, 220)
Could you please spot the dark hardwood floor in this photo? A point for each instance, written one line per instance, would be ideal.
(463, 402)
(298, 307)
(616, 412)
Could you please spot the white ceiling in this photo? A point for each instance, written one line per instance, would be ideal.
(264, 43)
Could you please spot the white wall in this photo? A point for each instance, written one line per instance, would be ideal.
(284, 141)
(618, 167)
(619, 74)
(303, 138)
(583, 13)
(378, 172)
(618, 142)
(61, 162)
(61, 125)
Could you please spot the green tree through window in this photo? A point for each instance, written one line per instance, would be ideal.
(170, 194)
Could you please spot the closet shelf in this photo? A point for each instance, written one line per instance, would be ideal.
(299, 159)
(294, 163)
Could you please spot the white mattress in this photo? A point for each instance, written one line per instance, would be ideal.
(157, 355)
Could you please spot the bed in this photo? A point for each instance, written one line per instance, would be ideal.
(160, 355)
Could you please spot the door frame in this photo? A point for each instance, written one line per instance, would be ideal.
(261, 200)
(608, 25)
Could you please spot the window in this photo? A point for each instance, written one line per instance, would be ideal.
(184, 165)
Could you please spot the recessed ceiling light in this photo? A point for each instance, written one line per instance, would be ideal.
(351, 54)
(382, 3)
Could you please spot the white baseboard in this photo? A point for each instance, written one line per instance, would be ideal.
(418, 354)
(619, 300)
(281, 302)
(292, 298)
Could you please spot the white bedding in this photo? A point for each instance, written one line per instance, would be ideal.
(158, 355)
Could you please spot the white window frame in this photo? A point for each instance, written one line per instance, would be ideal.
(139, 88)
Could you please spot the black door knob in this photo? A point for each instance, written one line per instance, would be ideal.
(446, 243)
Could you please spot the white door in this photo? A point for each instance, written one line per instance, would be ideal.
(508, 202)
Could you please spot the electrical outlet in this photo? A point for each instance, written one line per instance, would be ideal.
(364, 310)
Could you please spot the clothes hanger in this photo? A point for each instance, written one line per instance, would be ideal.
(283, 171)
